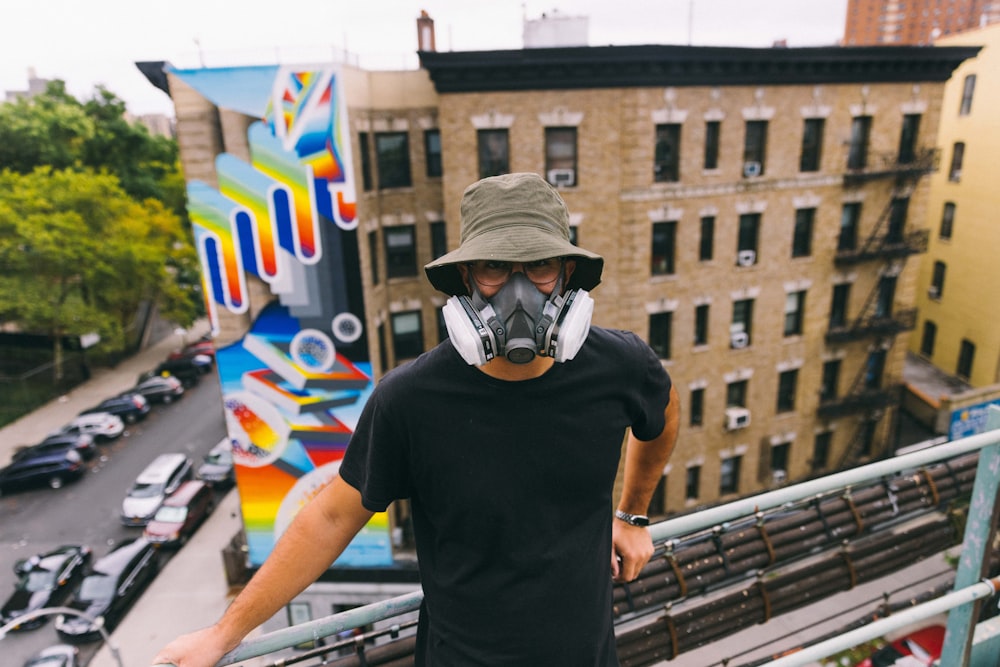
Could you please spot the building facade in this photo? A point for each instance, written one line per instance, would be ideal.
(895, 22)
(959, 323)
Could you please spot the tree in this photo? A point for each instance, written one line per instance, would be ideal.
(80, 255)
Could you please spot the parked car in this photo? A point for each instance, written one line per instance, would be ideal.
(158, 480)
(80, 443)
(180, 514)
(53, 468)
(59, 655)
(109, 590)
(159, 388)
(44, 580)
(103, 426)
(129, 406)
(217, 466)
(206, 347)
(920, 647)
(185, 369)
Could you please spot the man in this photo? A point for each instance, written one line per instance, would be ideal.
(506, 440)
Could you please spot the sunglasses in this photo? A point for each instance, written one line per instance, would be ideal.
(493, 273)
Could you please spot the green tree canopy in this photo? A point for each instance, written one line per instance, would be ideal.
(80, 255)
(56, 130)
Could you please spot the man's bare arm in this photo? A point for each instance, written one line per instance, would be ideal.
(320, 532)
(644, 463)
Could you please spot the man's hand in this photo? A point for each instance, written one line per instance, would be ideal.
(202, 648)
(631, 549)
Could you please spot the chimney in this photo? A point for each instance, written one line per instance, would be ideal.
(425, 32)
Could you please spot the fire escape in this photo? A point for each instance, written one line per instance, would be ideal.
(880, 320)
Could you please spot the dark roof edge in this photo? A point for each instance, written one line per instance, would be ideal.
(155, 72)
(660, 65)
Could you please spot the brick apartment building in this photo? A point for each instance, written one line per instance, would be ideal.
(897, 22)
(757, 209)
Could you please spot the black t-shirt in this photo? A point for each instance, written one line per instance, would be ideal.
(510, 486)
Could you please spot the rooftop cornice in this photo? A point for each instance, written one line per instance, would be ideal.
(658, 65)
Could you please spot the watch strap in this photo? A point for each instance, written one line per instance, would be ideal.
(640, 520)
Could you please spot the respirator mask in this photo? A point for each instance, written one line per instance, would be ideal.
(519, 322)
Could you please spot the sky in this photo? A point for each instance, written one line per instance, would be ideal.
(87, 43)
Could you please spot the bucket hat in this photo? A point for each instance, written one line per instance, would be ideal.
(514, 218)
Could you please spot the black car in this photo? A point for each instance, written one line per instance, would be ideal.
(36, 468)
(129, 406)
(81, 443)
(159, 388)
(115, 583)
(186, 369)
(44, 580)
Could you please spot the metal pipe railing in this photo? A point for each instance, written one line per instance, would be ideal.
(661, 531)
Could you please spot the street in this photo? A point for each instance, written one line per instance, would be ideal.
(87, 512)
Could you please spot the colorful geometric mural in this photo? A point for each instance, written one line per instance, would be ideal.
(293, 386)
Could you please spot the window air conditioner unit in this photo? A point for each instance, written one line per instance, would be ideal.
(933, 292)
(737, 418)
(562, 177)
(778, 477)
(751, 169)
(739, 339)
(746, 257)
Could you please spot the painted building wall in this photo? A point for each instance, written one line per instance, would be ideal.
(968, 307)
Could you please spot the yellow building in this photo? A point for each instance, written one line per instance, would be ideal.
(959, 310)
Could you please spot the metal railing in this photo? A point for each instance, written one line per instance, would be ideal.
(987, 481)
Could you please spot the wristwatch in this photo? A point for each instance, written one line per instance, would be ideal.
(640, 520)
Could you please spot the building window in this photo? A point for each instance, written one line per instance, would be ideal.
(927, 339)
(301, 612)
(898, 210)
(821, 450)
(432, 152)
(787, 383)
(494, 153)
(746, 241)
(439, 239)
(850, 217)
(707, 239)
(574, 235)
(739, 330)
(696, 408)
(366, 161)
(658, 501)
(885, 296)
(831, 378)
(936, 290)
(812, 144)
(400, 251)
(407, 335)
(968, 88)
(373, 255)
(947, 220)
(560, 156)
(795, 306)
(803, 232)
(957, 155)
(383, 352)
(736, 394)
(660, 325)
(857, 156)
(908, 138)
(779, 460)
(838, 305)
(392, 151)
(868, 437)
(692, 482)
(701, 324)
(874, 367)
(754, 148)
(712, 133)
(667, 155)
(966, 355)
(664, 248)
(729, 475)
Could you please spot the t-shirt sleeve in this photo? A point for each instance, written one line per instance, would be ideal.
(377, 462)
(652, 392)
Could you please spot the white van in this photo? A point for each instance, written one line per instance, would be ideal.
(152, 486)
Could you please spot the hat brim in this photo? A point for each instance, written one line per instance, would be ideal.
(514, 243)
